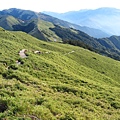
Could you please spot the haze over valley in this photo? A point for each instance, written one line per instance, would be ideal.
(104, 19)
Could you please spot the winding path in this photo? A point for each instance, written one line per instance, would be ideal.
(69, 52)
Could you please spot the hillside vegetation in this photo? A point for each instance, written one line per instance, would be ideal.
(55, 81)
(105, 46)
(7, 22)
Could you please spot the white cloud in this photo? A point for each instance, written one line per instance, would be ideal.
(58, 5)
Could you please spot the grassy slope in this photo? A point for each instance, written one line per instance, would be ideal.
(42, 28)
(45, 28)
(64, 82)
(7, 22)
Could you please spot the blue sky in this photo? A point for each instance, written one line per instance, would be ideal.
(58, 5)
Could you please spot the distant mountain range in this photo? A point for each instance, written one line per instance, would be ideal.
(105, 19)
(28, 15)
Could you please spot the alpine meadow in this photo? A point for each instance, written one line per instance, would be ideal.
(60, 81)
(51, 71)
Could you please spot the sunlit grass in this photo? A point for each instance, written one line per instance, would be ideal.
(56, 84)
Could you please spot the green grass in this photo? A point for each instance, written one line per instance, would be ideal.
(44, 27)
(8, 22)
(57, 84)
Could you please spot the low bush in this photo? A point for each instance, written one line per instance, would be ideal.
(3, 105)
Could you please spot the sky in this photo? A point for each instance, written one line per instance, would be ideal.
(59, 6)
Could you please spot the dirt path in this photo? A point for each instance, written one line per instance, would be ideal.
(22, 53)
(70, 52)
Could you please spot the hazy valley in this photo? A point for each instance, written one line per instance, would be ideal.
(104, 19)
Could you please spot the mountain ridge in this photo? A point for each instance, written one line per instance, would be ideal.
(27, 15)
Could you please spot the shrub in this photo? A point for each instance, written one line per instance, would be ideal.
(3, 105)
(68, 117)
(13, 66)
(65, 89)
(116, 105)
(40, 101)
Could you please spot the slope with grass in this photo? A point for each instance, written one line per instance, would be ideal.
(7, 22)
(105, 46)
(56, 83)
